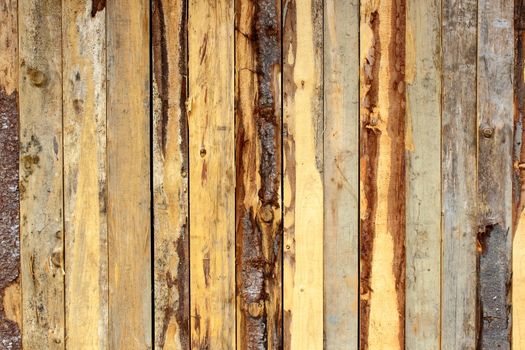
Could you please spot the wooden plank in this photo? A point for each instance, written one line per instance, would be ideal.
(85, 220)
(258, 173)
(41, 183)
(459, 198)
(128, 149)
(170, 174)
(303, 180)
(518, 243)
(341, 174)
(212, 173)
(10, 296)
(423, 174)
(382, 179)
(496, 127)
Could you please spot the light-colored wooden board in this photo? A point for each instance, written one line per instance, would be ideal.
(85, 221)
(459, 189)
(128, 175)
(382, 178)
(495, 68)
(303, 179)
(341, 173)
(170, 174)
(10, 296)
(258, 174)
(41, 182)
(212, 173)
(423, 174)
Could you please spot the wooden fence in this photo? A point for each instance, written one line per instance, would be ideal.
(262, 174)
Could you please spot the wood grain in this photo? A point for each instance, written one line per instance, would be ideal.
(341, 173)
(41, 183)
(170, 180)
(10, 296)
(382, 175)
(258, 173)
(459, 190)
(85, 219)
(303, 180)
(128, 178)
(212, 173)
(423, 175)
(495, 142)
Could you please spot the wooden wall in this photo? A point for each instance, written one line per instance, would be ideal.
(262, 174)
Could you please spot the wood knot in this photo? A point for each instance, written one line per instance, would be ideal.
(256, 309)
(203, 152)
(487, 131)
(266, 214)
(37, 77)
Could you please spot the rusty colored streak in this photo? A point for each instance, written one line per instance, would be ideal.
(10, 337)
(396, 128)
(369, 161)
(519, 105)
(97, 6)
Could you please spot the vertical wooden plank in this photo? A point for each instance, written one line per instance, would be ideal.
(341, 173)
(382, 174)
(41, 182)
(10, 296)
(459, 198)
(518, 243)
(170, 180)
(258, 173)
(423, 174)
(128, 149)
(212, 173)
(303, 180)
(496, 128)
(84, 107)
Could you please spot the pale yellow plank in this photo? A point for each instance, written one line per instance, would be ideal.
(303, 180)
(128, 177)
(41, 226)
(84, 104)
(212, 174)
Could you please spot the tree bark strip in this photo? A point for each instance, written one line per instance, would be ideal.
(10, 296)
(341, 173)
(496, 128)
(303, 180)
(129, 187)
(423, 174)
(459, 190)
(258, 172)
(41, 182)
(85, 197)
(212, 173)
(382, 175)
(170, 180)
(518, 243)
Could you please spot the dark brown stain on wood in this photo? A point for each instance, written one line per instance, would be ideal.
(369, 152)
(97, 6)
(10, 337)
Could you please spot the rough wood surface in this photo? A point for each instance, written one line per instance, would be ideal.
(303, 179)
(518, 243)
(212, 173)
(258, 173)
(459, 190)
(170, 180)
(10, 296)
(341, 173)
(41, 183)
(423, 175)
(85, 222)
(128, 155)
(496, 128)
(382, 179)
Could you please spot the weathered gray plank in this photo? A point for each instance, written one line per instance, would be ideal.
(423, 174)
(341, 173)
(496, 128)
(459, 190)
